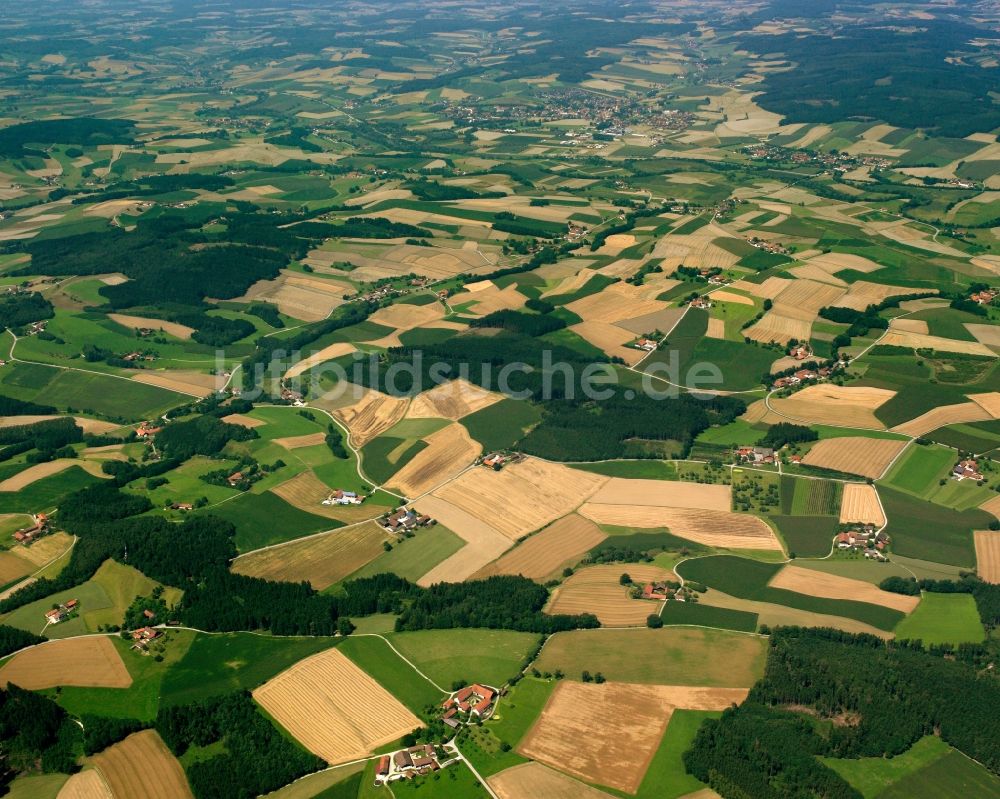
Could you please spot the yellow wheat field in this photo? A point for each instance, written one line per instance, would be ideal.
(988, 555)
(803, 299)
(833, 586)
(862, 294)
(941, 416)
(824, 403)
(135, 322)
(522, 497)
(448, 452)
(87, 784)
(779, 328)
(542, 555)
(483, 542)
(452, 400)
(710, 527)
(89, 662)
(868, 457)
(324, 355)
(334, 709)
(989, 402)
(860, 504)
(321, 560)
(533, 780)
(617, 302)
(596, 590)
(371, 415)
(141, 767)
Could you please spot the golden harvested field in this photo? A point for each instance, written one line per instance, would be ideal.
(296, 442)
(992, 505)
(371, 415)
(334, 709)
(160, 777)
(619, 301)
(664, 494)
(833, 586)
(615, 243)
(492, 299)
(611, 339)
(988, 402)
(779, 328)
(87, 784)
(901, 338)
(544, 554)
(183, 381)
(300, 296)
(37, 472)
(451, 400)
(596, 590)
(909, 325)
(483, 542)
(13, 566)
(46, 549)
(860, 504)
(862, 294)
(448, 452)
(324, 355)
(846, 406)
(523, 496)
(321, 560)
(768, 290)
(941, 416)
(985, 334)
(988, 555)
(90, 662)
(534, 781)
(709, 527)
(731, 296)
(605, 734)
(868, 457)
(135, 322)
(836, 261)
(242, 419)
(716, 328)
(803, 299)
(407, 317)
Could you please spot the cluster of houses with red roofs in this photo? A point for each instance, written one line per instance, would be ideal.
(864, 539)
(147, 430)
(472, 701)
(984, 297)
(800, 352)
(646, 344)
(754, 455)
(405, 519)
(62, 612)
(26, 535)
(967, 470)
(497, 460)
(405, 764)
(701, 302)
(142, 637)
(803, 376)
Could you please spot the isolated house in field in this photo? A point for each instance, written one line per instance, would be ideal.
(26, 535)
(405, 519)
(967, 470)
(147, 430)
(62, 612)
(340, 497)
(655, 591)
(646, 344)
(473, 700)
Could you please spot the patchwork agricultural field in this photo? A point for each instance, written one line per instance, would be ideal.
(354, 354)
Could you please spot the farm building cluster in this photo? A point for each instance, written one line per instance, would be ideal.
(871, 544)
(341, 497)
(62, 612)
(497, 460)
(405, 520)
(802, 376)
(754, 455)
(142, 638)
(967, 470)
(663, 591)
(473, 702)
(405, 764)
(41, 525)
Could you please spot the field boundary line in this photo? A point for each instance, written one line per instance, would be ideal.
(402, 657)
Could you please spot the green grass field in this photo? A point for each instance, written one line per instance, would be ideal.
(501, 424)
(943, 619)
(953, 776)
(747, 579)
(219, 664)
(88, 392)
(873, 775)
(45, 494)
(468, 656)
(633, 470)
(374, 656)
(265, 519)
(807, 536)
(707, 616)
(920, 468)
(454, 782)
(413, 557)
(930, 532)
(667, 778)
(668, 656)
